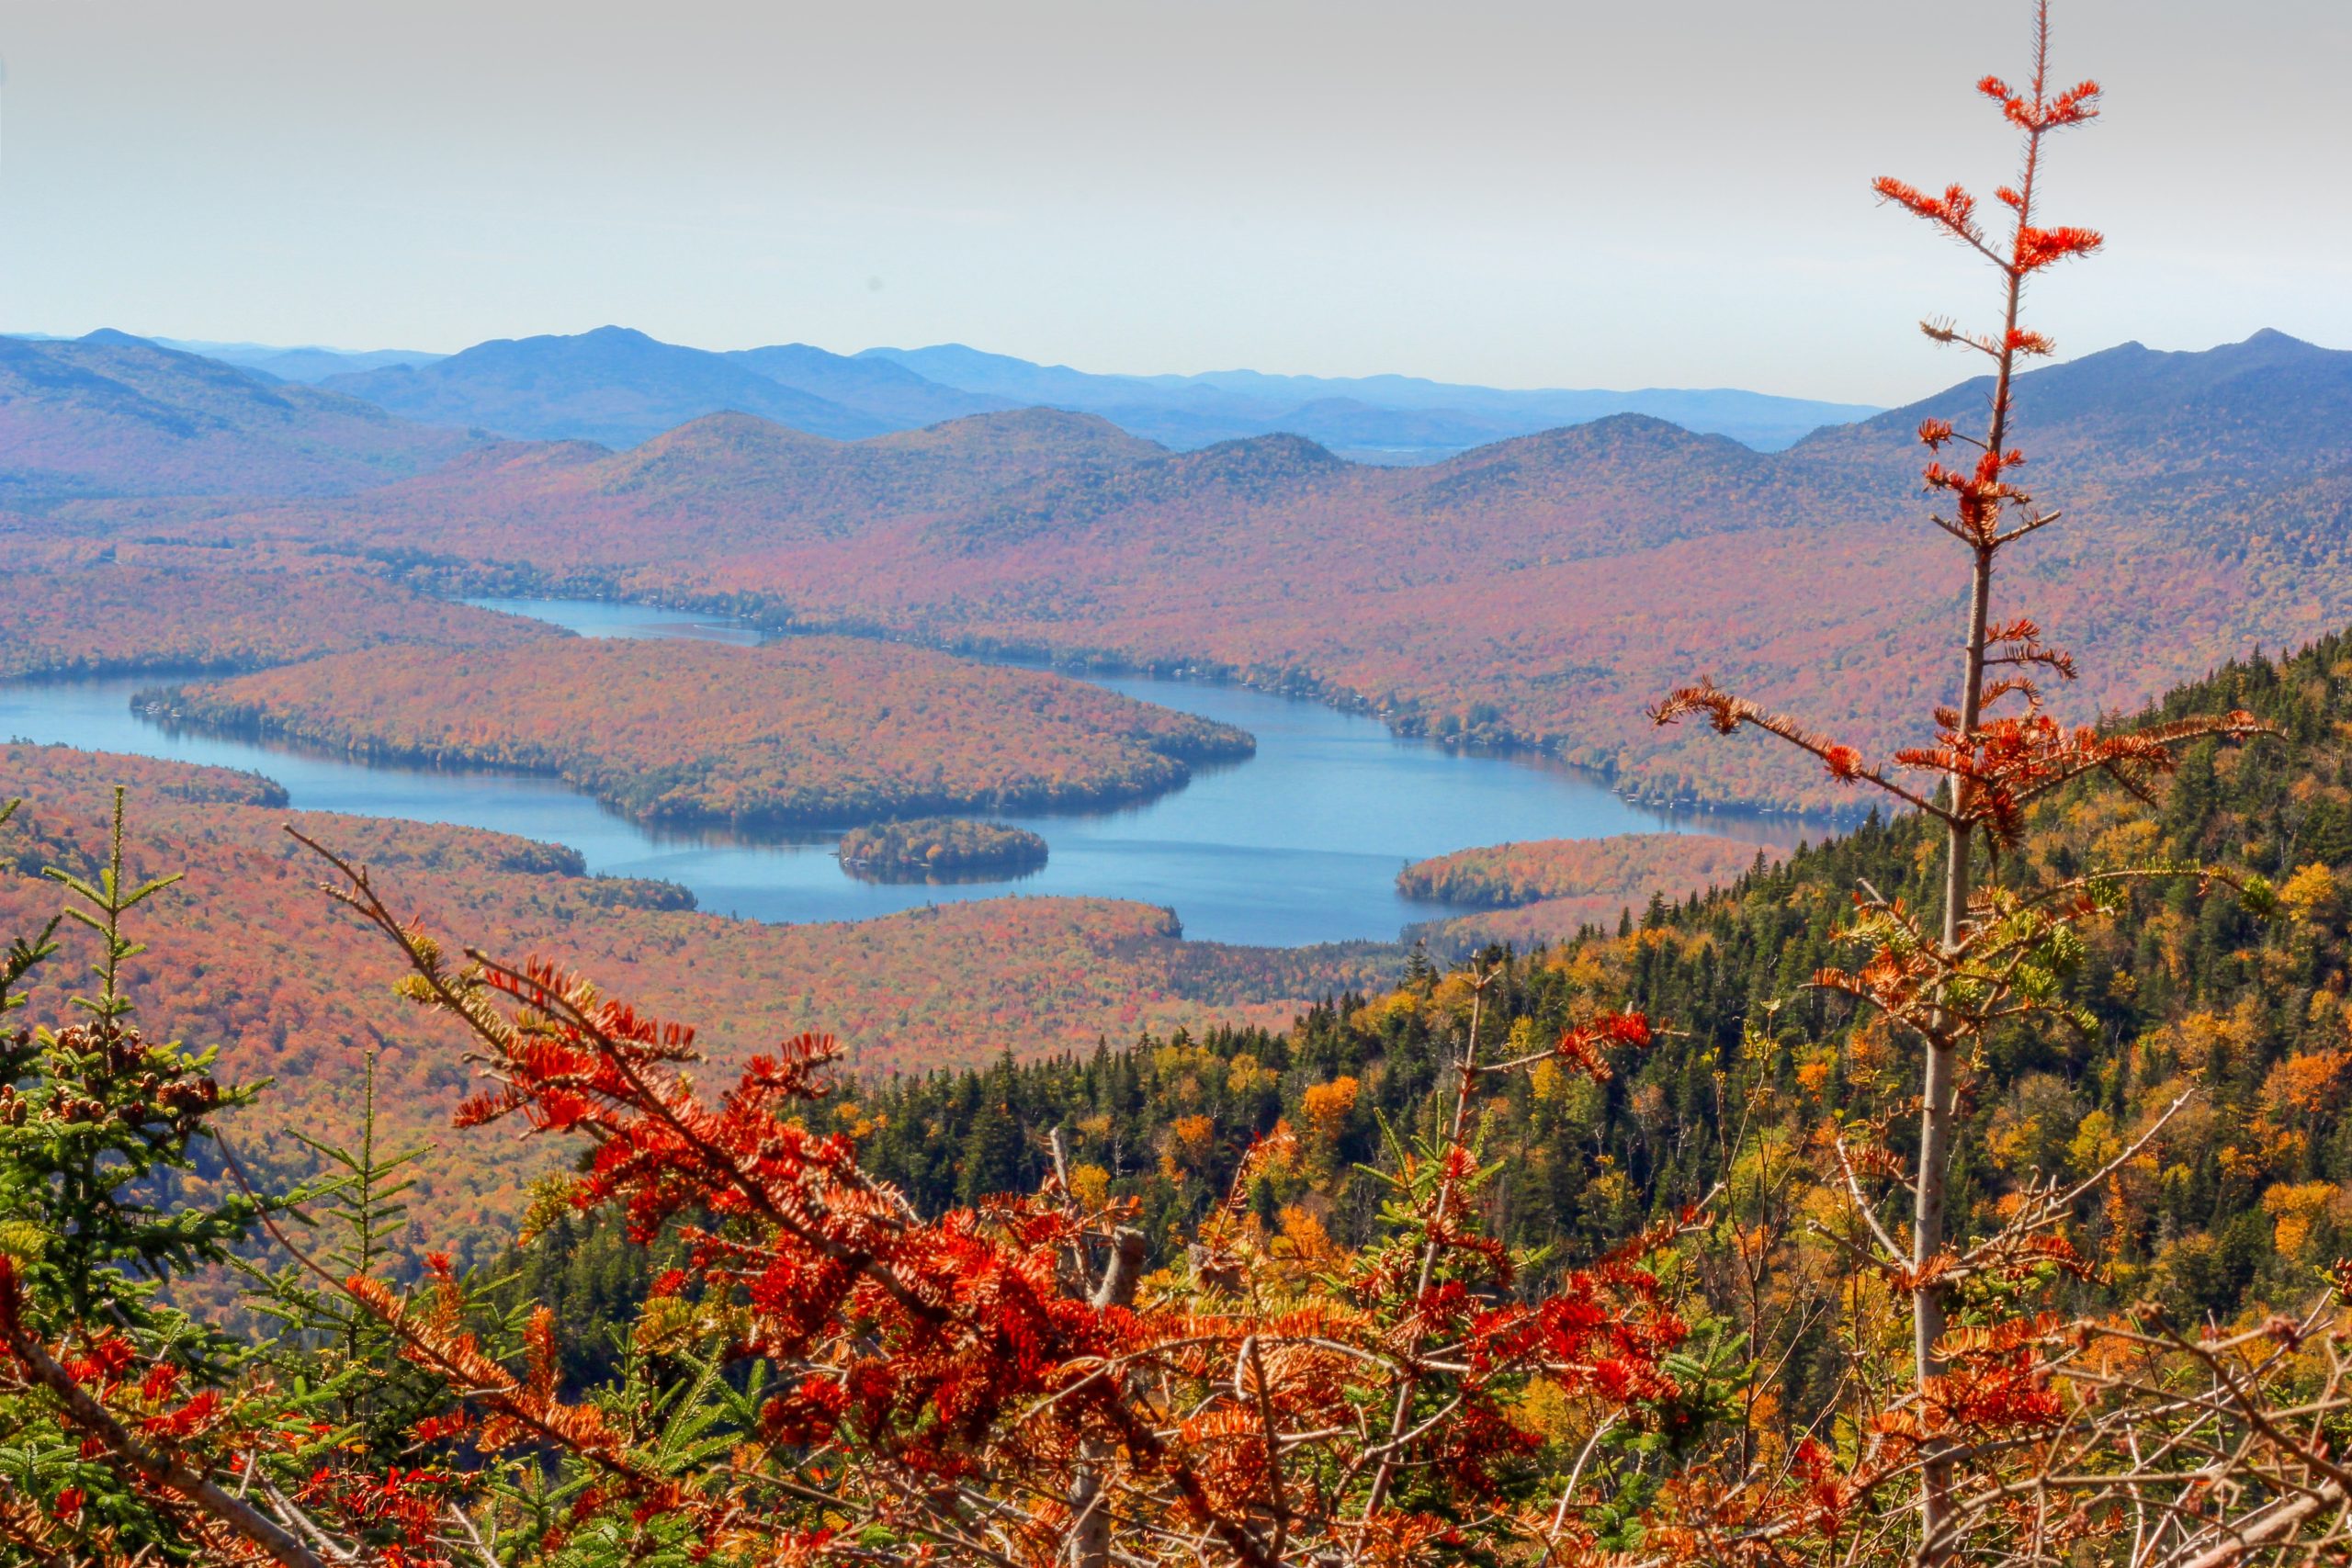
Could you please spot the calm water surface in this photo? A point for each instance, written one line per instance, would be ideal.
(1301, 844)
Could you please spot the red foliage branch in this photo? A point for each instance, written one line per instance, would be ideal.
(155, 1457)
(947, 1378)
(1993, 954)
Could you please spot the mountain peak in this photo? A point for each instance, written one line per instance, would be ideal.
(1616, 434)
(726, 433)
(1082, 433)
(613, 385)
(111, 413)
(1260, 463)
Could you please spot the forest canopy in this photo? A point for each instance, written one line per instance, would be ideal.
(802, 730)
(87, 609)
(938, 847)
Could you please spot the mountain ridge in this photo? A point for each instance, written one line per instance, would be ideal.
(111, 413)
(617, 386)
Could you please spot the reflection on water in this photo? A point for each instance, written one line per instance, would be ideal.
(897, 873)
(1301, 844)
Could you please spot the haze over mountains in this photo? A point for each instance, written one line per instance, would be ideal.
(618, 386)
(311, 365)
(1380, 419)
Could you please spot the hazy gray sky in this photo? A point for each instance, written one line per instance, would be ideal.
(1644, 193)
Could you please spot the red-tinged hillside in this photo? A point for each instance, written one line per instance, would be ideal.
(1543, 590)
(81, 609)
(1697, 485)
(1544, 890)
(1231, 477)
(248, 954)
(111, 415)
(1498, 876)
(810, 730)
(729, 487)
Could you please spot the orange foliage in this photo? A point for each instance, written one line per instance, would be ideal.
(85, 610)
(1327, 1107)
(1546, 889)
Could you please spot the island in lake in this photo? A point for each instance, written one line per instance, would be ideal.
(939, 848)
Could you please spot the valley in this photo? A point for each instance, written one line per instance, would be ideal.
(1538, 592)
(1274, 715)
(1712, 932)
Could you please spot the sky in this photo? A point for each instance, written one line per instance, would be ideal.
(1669, 193)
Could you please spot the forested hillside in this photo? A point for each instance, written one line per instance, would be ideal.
(83, 608)
(110, 414)
(806, 730)
(2197, 1101)
(2248, 1191)
(1544, 890)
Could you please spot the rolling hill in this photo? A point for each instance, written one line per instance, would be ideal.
(1548, 890)
(612, 386)
(80, 609)
(114, 415)
(726, 485)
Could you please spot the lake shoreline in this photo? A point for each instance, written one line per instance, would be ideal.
(719, 615)
(1297, 848)
(1140, 753)
(763, 616)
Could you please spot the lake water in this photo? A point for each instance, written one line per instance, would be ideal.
(1300, 844)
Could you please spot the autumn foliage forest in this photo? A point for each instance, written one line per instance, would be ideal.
(1546, 890)
(88, 609)
(1969, 1187)
(809, 730)
(938, 847)
(243, 954)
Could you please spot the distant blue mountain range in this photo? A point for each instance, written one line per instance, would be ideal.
(618, 386)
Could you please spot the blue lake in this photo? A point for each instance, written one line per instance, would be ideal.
(1300, 844)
